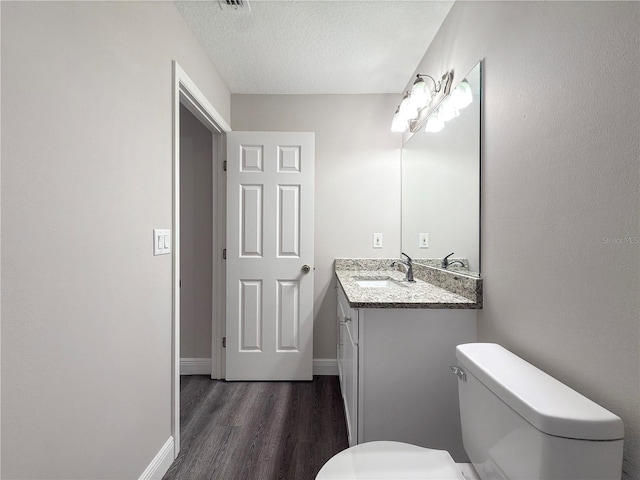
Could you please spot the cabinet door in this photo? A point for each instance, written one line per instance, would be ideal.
(405, 376)
(341, 334)
(351, 376)
(348, 363)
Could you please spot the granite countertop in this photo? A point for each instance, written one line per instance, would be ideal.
(402, 295)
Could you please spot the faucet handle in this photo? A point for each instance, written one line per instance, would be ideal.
(445, 260)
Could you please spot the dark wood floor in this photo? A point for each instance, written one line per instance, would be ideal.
(257, 430)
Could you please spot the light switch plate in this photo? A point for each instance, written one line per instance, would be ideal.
(161, 241)
(423, 240)
(377, 240)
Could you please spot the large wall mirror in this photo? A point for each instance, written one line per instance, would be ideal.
(441, 188)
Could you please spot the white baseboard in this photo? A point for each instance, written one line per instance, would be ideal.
(325, 366)
(195, 366)
(202, 366)
(160, 463)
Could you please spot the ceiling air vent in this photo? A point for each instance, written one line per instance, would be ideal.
(234, 5)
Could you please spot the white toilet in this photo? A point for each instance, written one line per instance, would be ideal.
(517, 423)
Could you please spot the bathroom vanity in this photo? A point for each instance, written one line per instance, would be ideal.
(397, 340)
(396, 343)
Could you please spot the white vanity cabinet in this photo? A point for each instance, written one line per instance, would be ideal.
(348, 363)
(395, 373)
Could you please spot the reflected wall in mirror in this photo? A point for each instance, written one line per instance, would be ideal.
(441, 187)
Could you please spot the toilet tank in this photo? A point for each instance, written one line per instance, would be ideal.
(520, 423)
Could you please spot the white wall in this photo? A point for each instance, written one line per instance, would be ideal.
(560, 175)
(196, 236)
(357, 181)
(86, 176)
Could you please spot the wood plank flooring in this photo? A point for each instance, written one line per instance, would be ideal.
(257, 430)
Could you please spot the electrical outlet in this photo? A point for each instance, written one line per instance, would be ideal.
(377, 240)
(423, 241)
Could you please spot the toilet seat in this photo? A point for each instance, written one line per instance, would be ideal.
(390, 461)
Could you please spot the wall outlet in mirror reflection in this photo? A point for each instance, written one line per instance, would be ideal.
(377, 240)
(423, 240)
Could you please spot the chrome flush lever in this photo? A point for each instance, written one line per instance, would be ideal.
(459, 372)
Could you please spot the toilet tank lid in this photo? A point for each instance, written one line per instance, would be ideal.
(547, 404)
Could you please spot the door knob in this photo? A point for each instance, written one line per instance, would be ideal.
(306, 269)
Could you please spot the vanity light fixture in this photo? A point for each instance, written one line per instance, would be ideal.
(462, 96)
(450, 107)
(407, 109)
(399, 124)
(434, 124)
(420, 92)
(420, 102)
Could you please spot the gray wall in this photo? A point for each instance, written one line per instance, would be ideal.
(560, 176)
(196, 230)
(86, 176)
(357, 181)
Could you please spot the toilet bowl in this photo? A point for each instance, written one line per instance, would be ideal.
(390, 461)
(517, 423)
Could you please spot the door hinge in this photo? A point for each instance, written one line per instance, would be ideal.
(224, 253)
(180, 283)
(224, 166)
(224, 342)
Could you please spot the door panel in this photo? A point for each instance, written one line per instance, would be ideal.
(288, 221)
(251, 233)
(270, 240)
(288, 315)
(250, 315)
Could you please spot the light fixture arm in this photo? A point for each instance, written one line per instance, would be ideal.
(436, 87)
(444, 82)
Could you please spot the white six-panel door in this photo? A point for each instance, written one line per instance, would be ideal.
(269, 255)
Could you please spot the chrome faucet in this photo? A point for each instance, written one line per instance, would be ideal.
(408, 263)
(446, 263)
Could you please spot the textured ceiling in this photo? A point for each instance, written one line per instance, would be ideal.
(286, 46)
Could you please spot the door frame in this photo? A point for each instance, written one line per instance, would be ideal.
(186, 92)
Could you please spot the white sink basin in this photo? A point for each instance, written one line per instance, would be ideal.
(376, 283)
